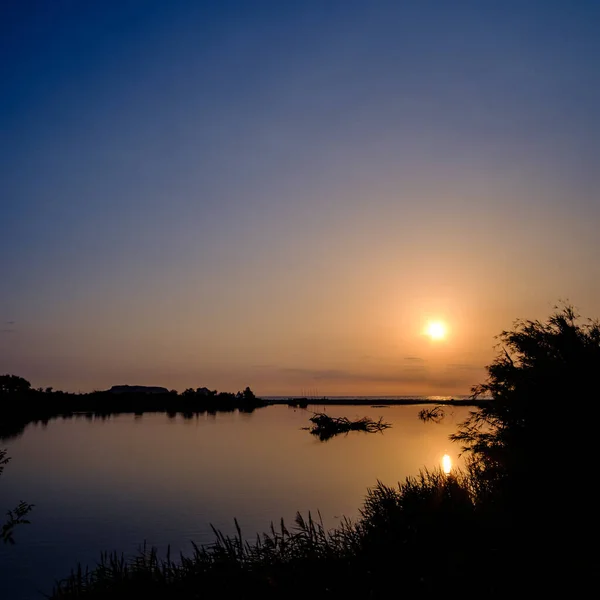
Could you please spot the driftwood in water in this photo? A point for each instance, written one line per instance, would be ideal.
(325, 427)
(435, 414)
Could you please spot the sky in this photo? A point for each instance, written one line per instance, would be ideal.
(284, 194)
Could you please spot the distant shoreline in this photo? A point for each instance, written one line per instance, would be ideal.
(375, 401)
(36, 406)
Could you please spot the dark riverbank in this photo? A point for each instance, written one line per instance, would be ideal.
(22, 405)
(16, 416)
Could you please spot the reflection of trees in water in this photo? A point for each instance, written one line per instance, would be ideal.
(14, 428)
(10, 430)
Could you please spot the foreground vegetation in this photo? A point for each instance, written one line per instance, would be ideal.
(412, 538)
(474, 533)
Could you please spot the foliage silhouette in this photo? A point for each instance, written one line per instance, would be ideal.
(539, 366)
(13, 384)
(16, 516)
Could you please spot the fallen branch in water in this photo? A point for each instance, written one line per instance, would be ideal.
(325, 427)
(435, 414)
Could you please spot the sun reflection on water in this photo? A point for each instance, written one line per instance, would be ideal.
(446, 464)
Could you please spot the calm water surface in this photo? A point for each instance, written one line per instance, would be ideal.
(112, 484)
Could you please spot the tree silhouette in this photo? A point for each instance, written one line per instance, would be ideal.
(249, 394)
(13, 384)
(540, 365)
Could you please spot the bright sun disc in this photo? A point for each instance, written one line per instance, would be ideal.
(436, 330)
(446, 464)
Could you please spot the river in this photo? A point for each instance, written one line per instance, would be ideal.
(106, 484)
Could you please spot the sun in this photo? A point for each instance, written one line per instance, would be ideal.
(436, 330)
(446, 464)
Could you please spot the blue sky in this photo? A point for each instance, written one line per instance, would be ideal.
(281, 194)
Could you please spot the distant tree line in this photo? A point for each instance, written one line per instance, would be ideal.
(21, 404)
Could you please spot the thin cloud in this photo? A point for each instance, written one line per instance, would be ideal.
(8, 327)
(463, 367)
(417, 374)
